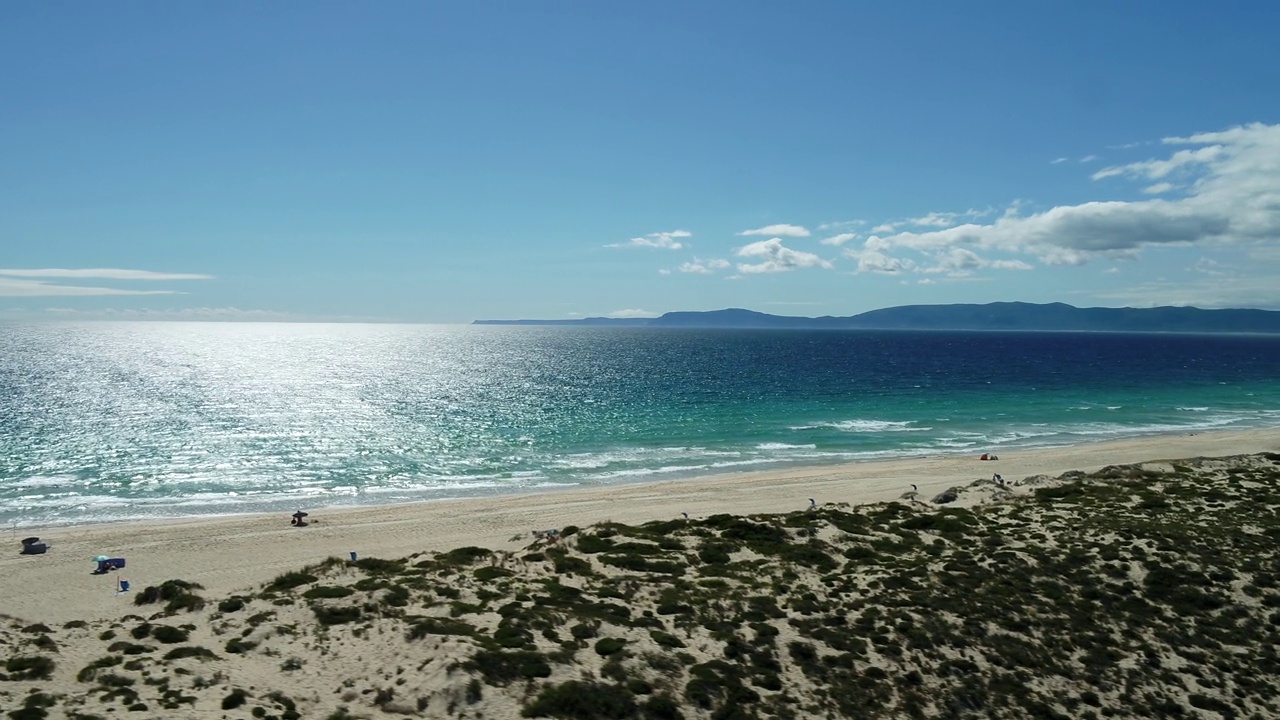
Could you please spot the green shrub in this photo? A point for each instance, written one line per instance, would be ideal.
(662, 707)
(336, 615)
(239, 646)
(501, 667)
(465, 555)
(88, 672)
(609, 646)
(232, 604)
(30, 667)
(666, 639)
(128, 648)
(396, 596)
(485, 574)
(715, 553)
(235, 699)
(328, 591)
(439, 626)
(578, 700)
(189, 651)
(570, 565)
(176, 594)
(290, 580)
(168, 634)
(592, 544)
(379, 566)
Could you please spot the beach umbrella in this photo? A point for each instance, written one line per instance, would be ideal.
(101, 558)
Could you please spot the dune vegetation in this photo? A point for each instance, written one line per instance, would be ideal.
(1146, 590)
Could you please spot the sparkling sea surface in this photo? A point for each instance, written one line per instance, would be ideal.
(113, 421)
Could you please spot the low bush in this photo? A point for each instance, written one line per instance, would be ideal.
(609, 646)
(501, 667)
(176, 594)
(169, 635)
(336, 615)
(290, 580)
(328, 591)
(30, 667)
(189, 651)
(439, 626)
(235, 699)
(465, 555)
(578, 700)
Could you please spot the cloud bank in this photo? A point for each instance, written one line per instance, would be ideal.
(21, 282)
(664, 240)
(1228, 184)
(101, 274)
(774, 257)
(795, 231)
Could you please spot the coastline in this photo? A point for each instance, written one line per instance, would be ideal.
(231, 553)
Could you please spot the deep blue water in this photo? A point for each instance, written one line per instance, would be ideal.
(108, 421)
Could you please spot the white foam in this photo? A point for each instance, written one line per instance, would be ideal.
(37, 481)
(865, 426)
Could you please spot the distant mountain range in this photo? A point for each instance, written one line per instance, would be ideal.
(991, 316)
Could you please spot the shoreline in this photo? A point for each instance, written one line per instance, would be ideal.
(779, 468)
(226, 554)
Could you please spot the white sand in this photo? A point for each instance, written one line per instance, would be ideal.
(230, 554)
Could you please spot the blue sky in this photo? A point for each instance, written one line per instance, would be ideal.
(447, 161)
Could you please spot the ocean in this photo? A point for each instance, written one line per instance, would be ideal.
(104, 422)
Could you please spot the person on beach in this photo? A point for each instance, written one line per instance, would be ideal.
(297, 520)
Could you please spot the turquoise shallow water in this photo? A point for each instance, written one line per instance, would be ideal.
(113, 421)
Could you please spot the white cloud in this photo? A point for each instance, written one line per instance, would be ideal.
(100, 274)
(633, 313)
(199, 313)
(945, 219)
(934, 219)
(664, 240)
(796, 231)
(1009, 265)
(838, 240)
(704, 267)
(1157, 169)
(15, 287)
(1209, 267)
(874, 261)
(952, 261)
(956, 261)
(33, 282)
(842, 225)
(1057, 161)
(1158, 188)
(1232, 197)
(1088, 158)
(884, 228)
(1208, 292)
(775, 257)
(1128, 146)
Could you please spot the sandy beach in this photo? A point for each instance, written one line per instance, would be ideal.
(229, 554)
